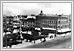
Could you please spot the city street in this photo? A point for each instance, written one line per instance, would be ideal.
(58, 42)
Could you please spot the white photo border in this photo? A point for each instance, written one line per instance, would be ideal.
(36, 2)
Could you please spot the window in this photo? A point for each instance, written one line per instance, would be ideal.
(50, 22)
(59, 22)
(54, 22)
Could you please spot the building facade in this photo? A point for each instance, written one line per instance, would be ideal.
(55, 22)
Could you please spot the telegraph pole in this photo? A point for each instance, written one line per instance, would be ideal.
(20, 25)
(56, 28)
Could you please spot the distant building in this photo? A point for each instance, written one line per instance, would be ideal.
(52, 22)
(9, 18)
(31, 22)
(27, 21)
(57, 22)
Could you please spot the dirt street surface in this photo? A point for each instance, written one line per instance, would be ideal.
(58, 42)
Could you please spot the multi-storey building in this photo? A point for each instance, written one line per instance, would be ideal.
(31, 22)
(53, 22)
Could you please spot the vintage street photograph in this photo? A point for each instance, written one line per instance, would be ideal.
(36, 25)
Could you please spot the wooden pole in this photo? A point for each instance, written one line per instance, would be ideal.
(56, 28)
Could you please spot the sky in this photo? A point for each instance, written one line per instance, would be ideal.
(35, 8)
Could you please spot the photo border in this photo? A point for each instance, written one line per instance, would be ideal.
(36, 2)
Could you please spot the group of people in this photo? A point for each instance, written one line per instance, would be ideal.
(11, 38)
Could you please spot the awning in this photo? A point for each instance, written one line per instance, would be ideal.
(48, 28)
(64, 30)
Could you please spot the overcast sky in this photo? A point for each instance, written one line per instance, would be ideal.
(34, 8)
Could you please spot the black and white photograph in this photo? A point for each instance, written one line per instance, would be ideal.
(36, 25)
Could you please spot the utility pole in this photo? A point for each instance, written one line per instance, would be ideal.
(56, 27)
(20, 25)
